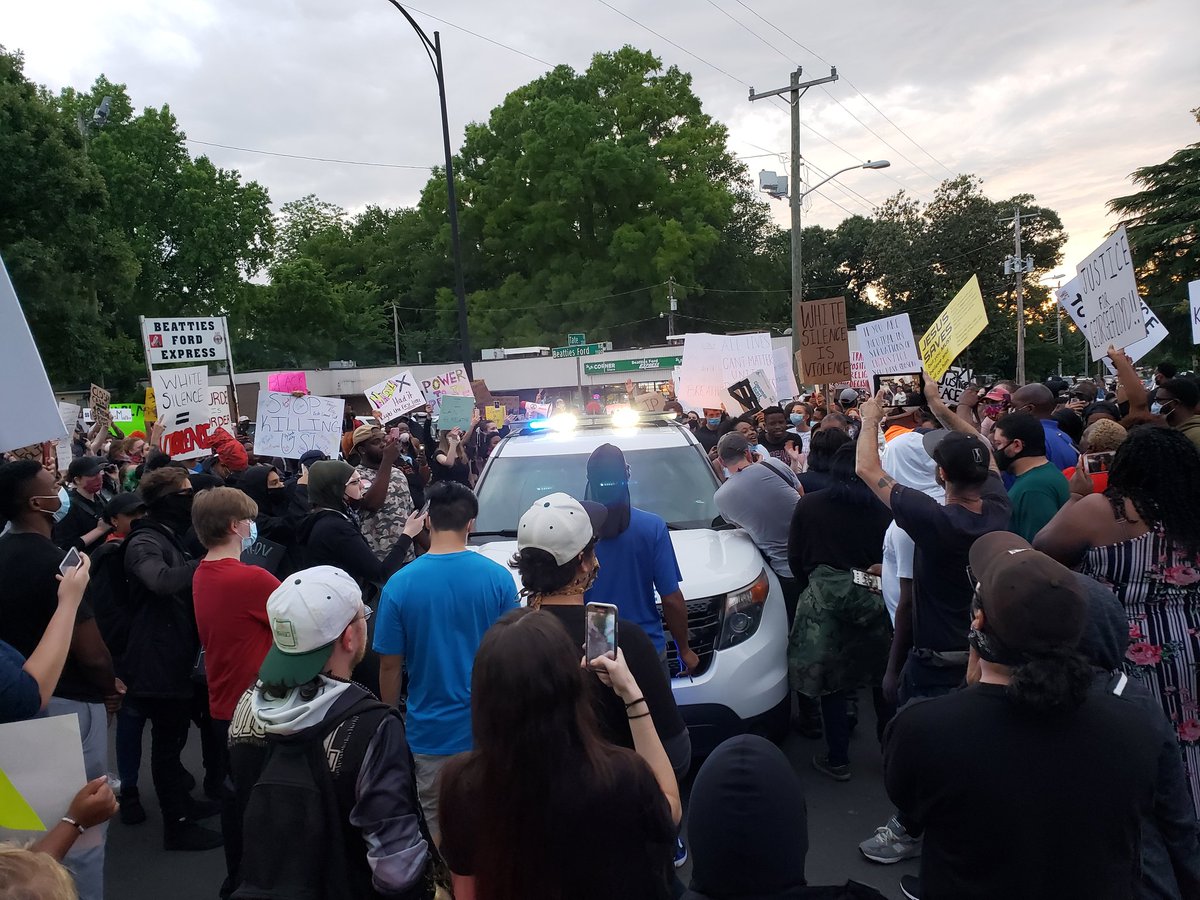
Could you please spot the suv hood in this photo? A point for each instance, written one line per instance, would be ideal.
(712, 562)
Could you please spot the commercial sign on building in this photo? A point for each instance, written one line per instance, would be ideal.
(632, 365)
(175, 340)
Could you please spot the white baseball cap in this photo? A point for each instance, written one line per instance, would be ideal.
(560, 525)
(307, 613)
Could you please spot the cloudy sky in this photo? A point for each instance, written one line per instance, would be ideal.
(1062, 100)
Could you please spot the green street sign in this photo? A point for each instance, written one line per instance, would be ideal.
(581, 350)
(576, 340)
(632, 365)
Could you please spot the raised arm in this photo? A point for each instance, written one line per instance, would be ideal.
(952, 422)
(1128, 379)
(866, 459)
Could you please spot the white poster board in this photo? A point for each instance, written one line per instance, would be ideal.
(785, 374)
(1107, 287)
(887, 347)
(860, 378)
(219, 413)
(712, 362)
(1194, 305)
(176, 340)
(955, 380)
(183, 400)
(41, 770)
(70, 415)
(395, 396)
(33, 414)
(289, 426)
(1070, 298)
(451, 383)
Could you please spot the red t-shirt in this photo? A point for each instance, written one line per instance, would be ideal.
(231, 614)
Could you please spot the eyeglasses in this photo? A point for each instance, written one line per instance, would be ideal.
(365, 615)
(353, 482)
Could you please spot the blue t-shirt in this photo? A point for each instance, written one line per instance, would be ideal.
(20, 697)
(1060, 450)
(433, 612)
(632, 565)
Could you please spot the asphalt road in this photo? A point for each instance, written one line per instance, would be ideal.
(840, 814)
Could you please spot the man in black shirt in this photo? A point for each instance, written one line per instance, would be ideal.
(774, 436)
(29, 562)
(708, 432)
(1029, 784)
(83, 527)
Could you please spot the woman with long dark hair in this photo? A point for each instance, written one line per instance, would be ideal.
(1142, 538)
(841, 633)
(542, 807)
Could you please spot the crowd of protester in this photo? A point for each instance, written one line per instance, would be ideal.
(382, 712)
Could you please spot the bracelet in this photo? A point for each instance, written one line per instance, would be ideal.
(635, 702)
(639, 716)
(71, 821)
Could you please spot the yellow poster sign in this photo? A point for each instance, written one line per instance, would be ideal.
(495, 414)
(952, 332)
(150, 413)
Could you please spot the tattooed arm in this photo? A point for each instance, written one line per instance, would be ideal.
(867, 463)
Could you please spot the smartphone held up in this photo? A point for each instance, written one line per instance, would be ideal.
(600, 638)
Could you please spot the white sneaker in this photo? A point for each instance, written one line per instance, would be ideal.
(891, 844)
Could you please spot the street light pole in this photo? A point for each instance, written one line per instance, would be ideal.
(433, 48)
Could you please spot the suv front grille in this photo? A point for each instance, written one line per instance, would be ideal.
(704, 628)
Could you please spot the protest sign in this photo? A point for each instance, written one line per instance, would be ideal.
(265, 554)
(183, 400)
(953, 382)
(754, 393)
(287, 382)
(510, 401)
(150, 410)
(743, 393)
(1108, 290)
(41, 768)
(860, 378)
(395, 396)
(129, 417)
(649, 402)
(479, 388)
(70, 413)
(98, 401)
(785, 375)
(712, 362)
(176, 340)
(1070, 298)
(219, 413)
(290, 426)
(456, 412)
(21, 367)
(537, 410)
(953, 330)
(495, 414)
(1194, 303)
(824, 354)
(451, 383)
(888, 347)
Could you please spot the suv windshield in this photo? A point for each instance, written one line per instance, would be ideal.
(672, 482)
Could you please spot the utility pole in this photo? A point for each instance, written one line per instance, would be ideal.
(1058, 319)
(1016, 265)
(674, 306)
(396, 332)
(795, 90)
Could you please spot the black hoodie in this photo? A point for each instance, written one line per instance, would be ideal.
(275, 521)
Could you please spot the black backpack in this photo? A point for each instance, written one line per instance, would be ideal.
(295, 845)
(108, 594)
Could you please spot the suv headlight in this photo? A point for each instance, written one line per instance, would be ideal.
(743, 612)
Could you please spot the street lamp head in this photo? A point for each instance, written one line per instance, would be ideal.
(876, 164)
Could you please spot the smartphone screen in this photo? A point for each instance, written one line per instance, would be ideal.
(1097, 463)
(867, 580)
(70, 561)
(425, 509)
(902, 389)
(601, 638)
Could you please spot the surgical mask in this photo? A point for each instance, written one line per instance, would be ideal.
(251, 538)
(55, 497)
(713, 422)
(796, 419)
(1156, 407)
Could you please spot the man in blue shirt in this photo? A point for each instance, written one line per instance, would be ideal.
(636, 558)
(1039, 400)
(432, 615)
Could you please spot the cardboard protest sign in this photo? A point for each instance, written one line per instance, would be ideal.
(150, 409)
(456, 412)
(1070, 298)
(953, 382)
(824, 354)
(183, 400)
(888, 347)
(41, 768)
(953, 330)
(479, 388)
(512, 402)
(395, 396)
(785, 375)
(1108, 290)
(290, 426)
(175, 340)
(35, 417)
(451, 383)
(288, 382)
(1194, 304)
(712, 362)
(649, 402)
(98, 402)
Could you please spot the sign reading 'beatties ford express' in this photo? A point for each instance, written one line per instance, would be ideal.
(176, 340)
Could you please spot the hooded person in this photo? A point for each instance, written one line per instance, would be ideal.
(748, 827)
(636, 558)
(275, 520)
(375, 843)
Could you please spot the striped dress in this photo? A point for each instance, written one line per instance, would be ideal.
(1160, 590)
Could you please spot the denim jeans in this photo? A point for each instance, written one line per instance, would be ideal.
(130, 725)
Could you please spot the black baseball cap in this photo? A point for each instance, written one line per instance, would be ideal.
(964, 458)
(123, 504)
(308, 457)
(86, 467)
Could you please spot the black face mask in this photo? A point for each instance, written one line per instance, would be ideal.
(1003, 460)
(174, 511)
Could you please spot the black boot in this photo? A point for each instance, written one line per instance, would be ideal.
(188, 836)
(132, 811)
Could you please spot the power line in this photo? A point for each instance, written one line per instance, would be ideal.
(506, 309)
(345, 162)
(482, 37)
